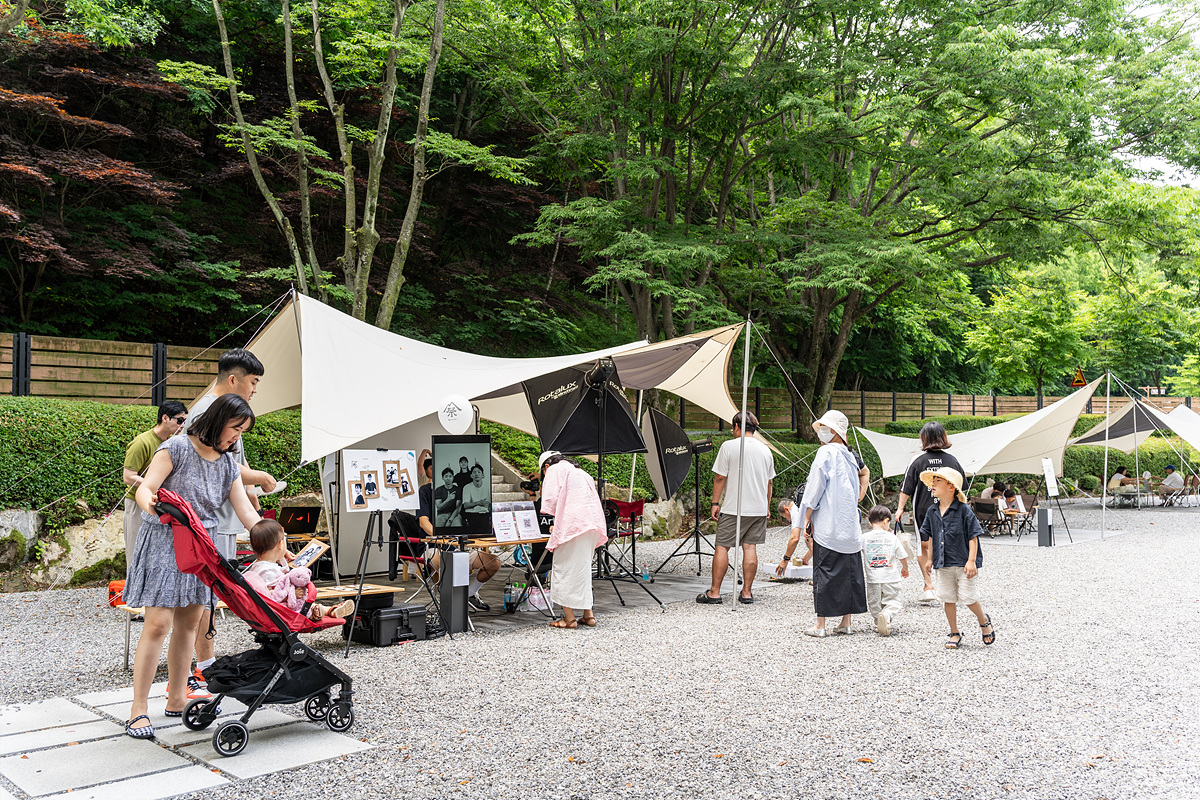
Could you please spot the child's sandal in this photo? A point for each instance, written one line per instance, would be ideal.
(988, 638)
(953, 641)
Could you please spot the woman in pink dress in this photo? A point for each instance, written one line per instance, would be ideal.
(569, 495)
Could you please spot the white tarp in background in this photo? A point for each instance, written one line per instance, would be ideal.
(1016, 446)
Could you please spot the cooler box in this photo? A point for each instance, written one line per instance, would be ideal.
(384, 627)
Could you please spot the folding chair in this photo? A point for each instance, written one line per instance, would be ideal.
(406, 546)
(629, 525)
(988, 512)
(1026, 503)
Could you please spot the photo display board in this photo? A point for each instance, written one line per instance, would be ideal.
(462, 485)
(379, 480)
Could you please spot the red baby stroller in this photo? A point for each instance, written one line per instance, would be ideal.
(282, 670)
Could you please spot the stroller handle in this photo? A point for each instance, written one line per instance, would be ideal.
(174, 510)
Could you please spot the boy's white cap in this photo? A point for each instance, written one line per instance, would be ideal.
(950, 474)
(835, 420)
(544, 457)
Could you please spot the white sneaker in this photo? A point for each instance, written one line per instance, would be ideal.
(881, 626)
(928, 596)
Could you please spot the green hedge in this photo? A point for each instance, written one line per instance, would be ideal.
(73, 450)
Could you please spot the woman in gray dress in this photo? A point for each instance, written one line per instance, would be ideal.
(199, 468)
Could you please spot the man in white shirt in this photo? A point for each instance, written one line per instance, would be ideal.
(1171, 484)
(745, 479)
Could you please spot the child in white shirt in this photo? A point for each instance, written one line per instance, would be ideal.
(881, 550)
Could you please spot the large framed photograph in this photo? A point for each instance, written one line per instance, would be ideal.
(462, 480)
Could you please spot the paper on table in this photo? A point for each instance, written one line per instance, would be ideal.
(503, 524)
(527, 522)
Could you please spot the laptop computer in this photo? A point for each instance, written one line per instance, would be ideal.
(299, 520)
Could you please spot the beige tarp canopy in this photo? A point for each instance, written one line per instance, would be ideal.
(356, 381)
(1018, 445)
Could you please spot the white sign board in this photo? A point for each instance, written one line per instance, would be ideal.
(379, 480)
(1051, 481)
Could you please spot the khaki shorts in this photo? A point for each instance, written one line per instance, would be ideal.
(953, 586)
(754, 530)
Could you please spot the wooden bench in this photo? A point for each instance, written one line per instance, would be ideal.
(338, 592)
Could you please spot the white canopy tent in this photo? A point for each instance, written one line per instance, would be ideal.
(1017, 446)
(364, 387)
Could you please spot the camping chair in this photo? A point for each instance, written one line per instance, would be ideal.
(407, 546)
(629, 525)
(1191, 495)
(1026, 503)
(1175, 497)
(988, 512)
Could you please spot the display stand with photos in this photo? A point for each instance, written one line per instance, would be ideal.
(462, 471)
(375, 481)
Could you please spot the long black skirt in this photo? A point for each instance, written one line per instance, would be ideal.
(839, 587)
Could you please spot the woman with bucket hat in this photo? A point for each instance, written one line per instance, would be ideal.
(830, 507)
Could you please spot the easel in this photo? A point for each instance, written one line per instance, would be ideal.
(1057, 502)
(693, 540)
(376, 519)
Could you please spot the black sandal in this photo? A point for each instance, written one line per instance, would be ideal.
(988, 638)
(951, 642)
(144, 732)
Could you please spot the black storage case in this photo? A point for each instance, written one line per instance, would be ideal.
(383, 627)
(372, 601)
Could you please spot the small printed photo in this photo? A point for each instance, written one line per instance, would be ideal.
(404, 487)
(357, 500)
(391, 474)
(370, 484)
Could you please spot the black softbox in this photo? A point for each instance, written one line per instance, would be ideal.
(566, 410)
(668, 453)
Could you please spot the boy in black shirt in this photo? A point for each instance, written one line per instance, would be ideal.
(953, 531)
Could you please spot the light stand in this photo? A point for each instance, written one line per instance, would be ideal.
(693, 540)
(609, 567)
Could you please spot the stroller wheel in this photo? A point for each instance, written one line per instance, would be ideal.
(317, 706)
(197, 716)
(340, 717)
(230, 738)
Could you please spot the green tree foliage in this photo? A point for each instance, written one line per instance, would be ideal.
(1030, 334)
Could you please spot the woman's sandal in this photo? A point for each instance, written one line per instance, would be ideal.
(172, 713)
(953, 641)
(144, 732)
(589, 621)
(988, 638)
(563, 624)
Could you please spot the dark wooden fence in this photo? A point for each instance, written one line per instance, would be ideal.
(108, 372)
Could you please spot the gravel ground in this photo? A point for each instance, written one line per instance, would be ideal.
(1088, 692)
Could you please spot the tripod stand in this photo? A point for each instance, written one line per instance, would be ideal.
(1058, 503)
(693, 540)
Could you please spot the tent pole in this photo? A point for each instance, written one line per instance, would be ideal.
(1137, 464)
(633, 466)
(1104, 477)
(737, 530)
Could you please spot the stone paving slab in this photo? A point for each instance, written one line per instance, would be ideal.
(158, 706)
(54, 737)
(191, 778)
(180, 736)
(119, 695)
(25, 717)
(280, 748)
(47, 771)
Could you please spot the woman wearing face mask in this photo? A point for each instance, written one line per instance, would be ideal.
(830, 507)
(199, 468)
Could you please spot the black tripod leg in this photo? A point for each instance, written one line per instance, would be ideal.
(362, 571)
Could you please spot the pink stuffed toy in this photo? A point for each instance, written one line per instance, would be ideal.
(291, 588)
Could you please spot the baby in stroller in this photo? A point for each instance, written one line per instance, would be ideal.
(269, 577)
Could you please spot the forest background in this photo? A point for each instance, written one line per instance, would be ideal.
(955, 196)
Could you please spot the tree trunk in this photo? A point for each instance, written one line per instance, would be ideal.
(285, 225)
(14, 17)
(395, 278)
(306, 233)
